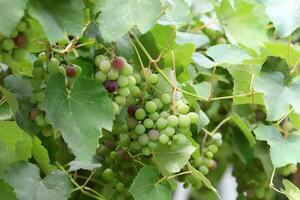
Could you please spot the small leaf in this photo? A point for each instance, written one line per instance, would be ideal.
(164, 37)
(283, 150)
(6, 191)
(244, 128)
(291, 191)
(24, 177)
(85, 110)
(145, 186)
(173, 158)
(11, 99)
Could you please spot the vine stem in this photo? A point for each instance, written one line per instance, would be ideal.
(172, 176)
(282, 118)
(212, 84)
(174, 82)
(2, 101)
(134, 159)
(271, 185)
(85, 183)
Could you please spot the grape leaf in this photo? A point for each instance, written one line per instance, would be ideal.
(145, 186)
(6, 191)
(284, 14)
(164, 37)
(58, 18)
(283, 151)
(11, 12)
(295, 120)
(24, 177)
(198, 39)
(119, 16)
(76, 165)
(5, 112)
(85, 110)
(243, 25)
(173, 158)
(11, 99)
(203, 61)
(291, 191)
(14, 145)
(244, 128)
(277, 95)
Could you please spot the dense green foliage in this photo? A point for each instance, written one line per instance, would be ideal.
(123, 99)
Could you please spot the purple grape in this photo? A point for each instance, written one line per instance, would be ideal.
(131, 110)
(111, 86)
(153, 135)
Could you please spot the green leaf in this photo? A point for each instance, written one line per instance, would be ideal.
(203, 61)
(5, 112)
(84, 110)
(76, 165)
(11, 99)
(295, 120)
(198, 39)
(164, 37)
(244, 128)
(14, 145)
(11, 12)
(277, 95)
(291, 191)
(40, 154)
(173, 158)
(145, 186)
(283, 151)
(6, 191)
(244, 24)
(284, 14)
(24, 177)
(119, 16)
(58, 18)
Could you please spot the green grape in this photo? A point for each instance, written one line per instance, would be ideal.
(131, 122)
(203, 169)
(150, 107)
(47, 131)
(140, 129)
(8, 44)
(135, 146)
(199, 161)
(146, 151)
(115, 107)
(217, 138)
(78, 70)
(124, 140)
(131, 81)
(98, 59)
(172, 121)
(143, 139)
(56, 134)
(22, 26)
(19, 54)
(40, 96)
(108, 174)
(165, 98)
(164, 114)
(158, 103)
(213, 148)
(208, 162)
(123, 81)
(184, 121)
(135, 91)
(113, 74)
(161, 123)
(194, 117)
(183, 109)
(100, 76)
(163, 139)
(152, 145)
(62, 70)
(197, 184)
(40, 120)
(140, 114)
(38, 63)
(148, 123)
(120, 187)
(126, 70)
(104, 66)
(137, 77)
(154, 116)
(53, 67)
(42, 56)
(180, 138)
(153, 79)
(113, 155)
(120, 100)
(169, 131)
(54, 60)
(124, 92)
(38, 72)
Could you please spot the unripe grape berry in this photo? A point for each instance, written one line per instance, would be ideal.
(111, 86)
(107, 174)
(120, 187)
(123, 81)
(22, 26)
(140, 129)
(135, 91)
(164, 114)
(140, 114)
(118, 63)
(193, 117)
(208, 162)
(152, 145)
(131, 122)
(7, 44)
(199, 161)
(169, 131)
(180, 138)
(148, 123)
(172, 121)
(78, 70)
(131, 81)
(115, 107)
(137, 77)
(184, 121)
(154, 116)
(127, 70)
(165, 98)
(146, 151)
(209, 154)
(105, 66)
(124, 140)
(40, 120)
(113, 74)
(150, 107)
(161, 123)
(213, 148)
(124, 92)
(53, 67)
(143, 139)
(163, 139)
(62, 70)
(100, 76)
(120, 100)
(33, 113)
(158, 103)
(20, 40)
(153, 79)
(147, 72)
(71, 71)
(19, 54)
(40, 96)
(204, 169)
(42, 56)
(153, 135)
(183, 109)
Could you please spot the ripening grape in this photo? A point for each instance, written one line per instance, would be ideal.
(153, 79)
(124, 92)
(140, 129)
(184, 121)
(78, 70)
(208, 162)
(98, 59)
(123, 81)
(165, 98)
(153, 135)
(131, 122)
(131, 110)
(113, 74)
(7, 44)
(100, 76)
(143, 139)
(161, 123)
(194, 117)
(183, 109)
(163, 139)
(127, 70)
(131, 81)
(172, 121)
(105, 66)
(150, 107)
(71, 71)
(148, 123)
(20, 40)
(140, 114)
(135, 91)
(111, 86)
(118, 63)
(53, 67)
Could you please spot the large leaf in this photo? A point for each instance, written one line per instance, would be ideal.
(277, 95)
(198, 39)
(24, 177)
(283, 151)
(119, 16)
(164, 37)
(173, 158)
(145, 186)
(11, 12)
(284, 14)
(6, 191)
(58, 18)
(291, 191)
(84, 110)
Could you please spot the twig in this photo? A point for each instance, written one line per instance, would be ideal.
(174, 82)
